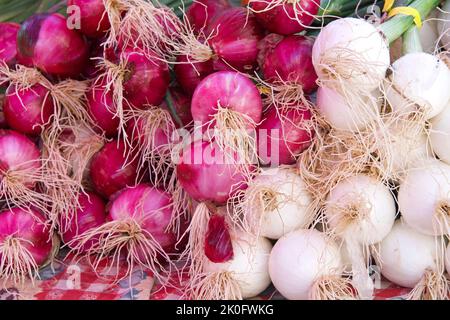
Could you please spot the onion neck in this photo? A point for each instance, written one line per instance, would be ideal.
(411, 41)
(395, 27)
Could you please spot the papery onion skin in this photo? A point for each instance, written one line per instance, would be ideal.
(93, 17)
(406, 255)
(148, 79)
(288, 135)
(190, 74)
(27, 225)
(91, 214)
(18, 152)
(236, 41)
(101, 108)
(109, 171)
(53, 48)
(230, 89)
(201, 163)
(28, 110)
(150, 207)
(300, 258)
(282, 19)
(8, 42)
(201, 12)
(290, 61)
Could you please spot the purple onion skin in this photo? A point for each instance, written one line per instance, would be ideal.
(108, 171)
(286, 135)
(218, 245)
(8, 42)
(147, 81)
(29, 226)
(289, 59)
(101, 107)
(151, 207)
(189, 75)
(280, 18)
(91, 214)
(205, 179)
(27, 111)
(94, 20)
(230, 89)
(236, 41)
(51, 46)
(201, 12)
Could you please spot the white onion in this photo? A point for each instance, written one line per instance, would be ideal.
(440, 135)
(443, 25)
(361, 211)
(361, 208)
(424, 196)
(342, 115)
(406, 254)
(300, 259)
(355, 50)
(277, 202)
(248, 267)
(419, 81)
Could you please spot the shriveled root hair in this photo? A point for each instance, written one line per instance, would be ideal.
(235, 135)
(194, 253)
(17, 263)
(215, 286)
(333, 288)
(433, 286)
(114, 76)
(123, 239)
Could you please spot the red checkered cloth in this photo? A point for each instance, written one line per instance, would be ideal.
(70, 280)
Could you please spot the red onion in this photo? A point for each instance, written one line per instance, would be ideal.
(110, 171)
(147, 81)
(53, 48)
(218, 245)
(288, 61)
(283, 134)
(235, 40)
(136, 226)
(101, 108)
(28, 110)
(201, 12)
(25, 244)
(8, 40)
(231, 104)
(94, 20)
(202, 162)
(91, 214)
(190, 74)
(285, 17)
